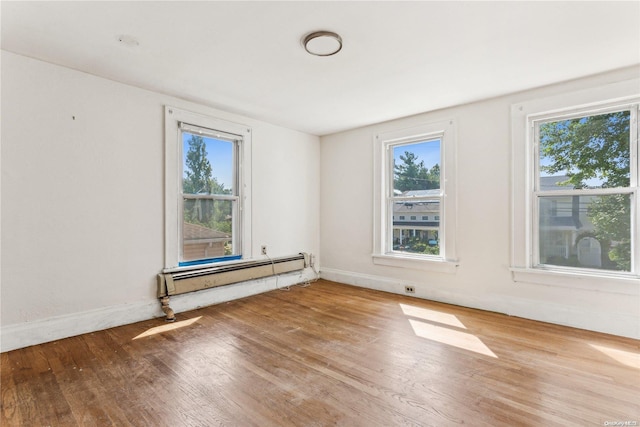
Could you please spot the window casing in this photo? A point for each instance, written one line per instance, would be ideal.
(585, 186)
(207, 182)
(541, 202)
(414, 174)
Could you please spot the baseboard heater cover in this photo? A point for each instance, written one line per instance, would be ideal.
(181, 281)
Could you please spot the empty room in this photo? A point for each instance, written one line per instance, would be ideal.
(319, 213)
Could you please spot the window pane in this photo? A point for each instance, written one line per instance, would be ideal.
(586, 152)
(207, 229)
(586, 231)
(416, 168)
(421, 236)
(207, 165)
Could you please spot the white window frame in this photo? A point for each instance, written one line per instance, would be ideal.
(173, 182)
(534, 122)
(525, 265)
(383, 143)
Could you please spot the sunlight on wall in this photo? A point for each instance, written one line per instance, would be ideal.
(625, 357)
(168, 327)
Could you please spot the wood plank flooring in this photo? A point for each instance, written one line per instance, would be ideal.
(324, 355)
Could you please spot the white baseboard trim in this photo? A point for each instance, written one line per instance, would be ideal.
(622, 324)
(54, 328)
(396, 286)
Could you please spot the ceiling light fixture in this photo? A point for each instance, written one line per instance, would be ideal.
(323, 43)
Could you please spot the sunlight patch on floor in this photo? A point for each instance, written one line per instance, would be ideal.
(168, 327)
(425, 324)
(621, 356)
(431, 315)
(459, 339)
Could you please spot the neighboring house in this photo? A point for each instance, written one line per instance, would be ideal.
(202, 242)
(419, 219)
(549, 183)
(566, 231)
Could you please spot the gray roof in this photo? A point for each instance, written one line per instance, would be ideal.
(419, 208)
(549, 183)
(196, 232)
(421, 193)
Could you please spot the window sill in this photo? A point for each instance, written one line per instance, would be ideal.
(609, 283)
(202, 266)
(416, 263)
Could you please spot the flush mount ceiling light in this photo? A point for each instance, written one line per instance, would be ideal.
(323, 43)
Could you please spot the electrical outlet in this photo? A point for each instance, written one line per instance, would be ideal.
(263, 249)
(409, 289)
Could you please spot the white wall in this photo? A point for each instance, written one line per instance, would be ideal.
(82, 201)
(82, 208)
(483, 279)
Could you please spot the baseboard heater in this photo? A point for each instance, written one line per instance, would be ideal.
(195, 279)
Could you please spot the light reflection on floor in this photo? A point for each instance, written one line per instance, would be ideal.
(453, 332)
(431, 315)
(168, 327)
(621, 356)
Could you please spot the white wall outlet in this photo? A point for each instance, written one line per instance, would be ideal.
(263, 249)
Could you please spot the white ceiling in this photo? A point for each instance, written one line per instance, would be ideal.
(398, 58)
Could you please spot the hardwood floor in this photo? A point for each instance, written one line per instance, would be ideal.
(328, 354)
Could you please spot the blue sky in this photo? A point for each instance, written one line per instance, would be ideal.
(429, 152)
(220, 155)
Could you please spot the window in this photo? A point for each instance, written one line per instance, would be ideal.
(414, 186)
(210, 229)
(584, 188)
(207, 176)
(412, 167)
(575, 192)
